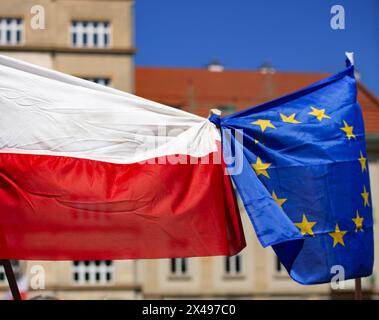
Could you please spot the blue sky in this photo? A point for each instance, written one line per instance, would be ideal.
(292, 35)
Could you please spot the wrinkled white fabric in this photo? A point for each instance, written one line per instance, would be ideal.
(48, 112)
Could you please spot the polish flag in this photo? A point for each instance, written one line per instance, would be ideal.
(90, 172)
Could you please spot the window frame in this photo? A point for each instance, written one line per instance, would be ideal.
(176, 264)
(81, 268)
(18, 28)
(106, 31)
(233, 267)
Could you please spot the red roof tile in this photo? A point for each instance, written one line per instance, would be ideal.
(198, 90)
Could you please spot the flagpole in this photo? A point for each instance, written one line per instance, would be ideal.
(11, 279)
(358, 289)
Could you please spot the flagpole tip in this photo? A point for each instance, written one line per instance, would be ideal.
(349, 58)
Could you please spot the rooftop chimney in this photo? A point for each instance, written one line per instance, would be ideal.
(215, 66)
(266, 68)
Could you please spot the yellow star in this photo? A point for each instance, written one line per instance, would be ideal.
(337, 236)
(362, 160)
(358, 222)
(260, 167)
(289, 119)
(319, 113)
(264, 124)
(365, 196)
(348, 130)
(277, 200)
(306, 226)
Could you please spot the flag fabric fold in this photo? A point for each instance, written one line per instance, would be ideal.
(88, 172)
(300, 166)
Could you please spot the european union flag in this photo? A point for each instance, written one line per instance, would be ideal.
(300, 166)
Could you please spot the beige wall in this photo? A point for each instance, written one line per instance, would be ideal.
(51, 47)
(118, 68)
(59, 14)
(43, 59)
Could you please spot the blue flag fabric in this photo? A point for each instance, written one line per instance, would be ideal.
(300, 166)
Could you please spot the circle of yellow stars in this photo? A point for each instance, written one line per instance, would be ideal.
(306, 226)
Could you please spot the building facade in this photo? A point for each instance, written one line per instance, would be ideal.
(85, 38)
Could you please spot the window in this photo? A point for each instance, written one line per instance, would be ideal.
(11, 30)
(103, 81)
(90, 34)
(179, 266)
(233, 265)
(93, 272)
(16, 270)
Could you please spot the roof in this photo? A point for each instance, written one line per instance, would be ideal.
(198, 90)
